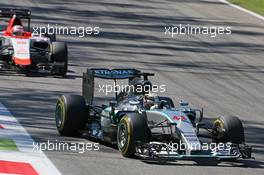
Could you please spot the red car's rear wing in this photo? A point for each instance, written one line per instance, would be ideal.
(20, 13)
(15, 16)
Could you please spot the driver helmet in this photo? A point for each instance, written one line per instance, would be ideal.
(150, 100)
(18, 30)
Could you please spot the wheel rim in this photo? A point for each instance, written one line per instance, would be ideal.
(58, 115)
(218, 131)
(122, 136)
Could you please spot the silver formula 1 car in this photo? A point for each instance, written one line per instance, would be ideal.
(148, 125)
(22, 50)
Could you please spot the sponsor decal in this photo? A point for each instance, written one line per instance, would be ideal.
(114, 73)
(176, 118)
(21, 51)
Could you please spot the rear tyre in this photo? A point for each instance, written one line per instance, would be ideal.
(228, 129)
(59, 58)
(132, 129)
(70, 115)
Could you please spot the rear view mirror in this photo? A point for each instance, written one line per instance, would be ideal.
(112, 104)
(184, 103)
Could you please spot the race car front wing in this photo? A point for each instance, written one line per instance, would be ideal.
(159, 150)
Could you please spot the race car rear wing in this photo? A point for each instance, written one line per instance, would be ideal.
(9, 12)
(115, 73)
(20, 14)
(103, 73)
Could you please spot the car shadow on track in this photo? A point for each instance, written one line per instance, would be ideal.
(209, 162)
(71, 74)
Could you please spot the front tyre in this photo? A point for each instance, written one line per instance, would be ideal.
(132, 128)
(228, 129)
(70, 115)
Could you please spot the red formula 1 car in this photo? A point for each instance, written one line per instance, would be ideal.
(23, 51)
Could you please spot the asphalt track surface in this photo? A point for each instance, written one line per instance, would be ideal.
(223, 74)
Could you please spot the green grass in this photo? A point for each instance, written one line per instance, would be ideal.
(253, 5)
(8, 144)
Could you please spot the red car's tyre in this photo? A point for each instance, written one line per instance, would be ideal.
(59, 58)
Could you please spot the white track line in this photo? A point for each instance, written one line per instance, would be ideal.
(13, 130)
(243, 9)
